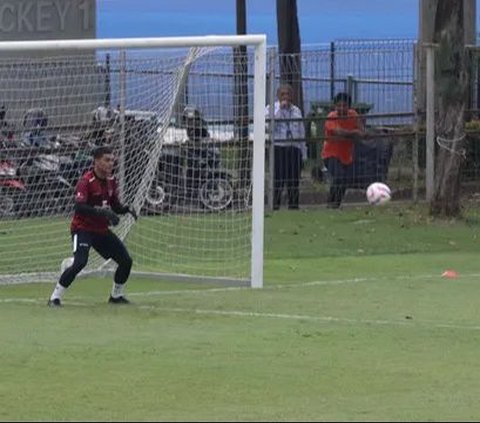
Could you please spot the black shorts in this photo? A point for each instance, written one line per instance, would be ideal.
(108, 245)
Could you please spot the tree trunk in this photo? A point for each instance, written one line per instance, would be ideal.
(451, 82)
(426, 28)
(289, 46)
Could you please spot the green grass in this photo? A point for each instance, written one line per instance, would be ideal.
(355, 323)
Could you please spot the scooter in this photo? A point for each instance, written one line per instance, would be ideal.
(12, 189)
(48, 191)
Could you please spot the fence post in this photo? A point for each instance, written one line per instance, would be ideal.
(350, 83)
(108, 90)
(430, 122)
(416, 109)
(332, 70)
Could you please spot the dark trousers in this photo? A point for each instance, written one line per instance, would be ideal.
(341, 175)
(287, 170)
(108, 245)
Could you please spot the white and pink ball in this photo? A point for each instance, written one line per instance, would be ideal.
(378, 193)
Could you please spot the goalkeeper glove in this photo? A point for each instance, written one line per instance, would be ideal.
(113, 219)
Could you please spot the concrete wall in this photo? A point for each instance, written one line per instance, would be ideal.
(67, 85)
(47, 19)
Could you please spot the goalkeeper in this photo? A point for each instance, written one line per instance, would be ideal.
(96, 208)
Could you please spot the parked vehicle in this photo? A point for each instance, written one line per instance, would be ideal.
(35, 122)
(12, 189)
(50, 176)
(48, 192)
(190, 174)
(190, 177)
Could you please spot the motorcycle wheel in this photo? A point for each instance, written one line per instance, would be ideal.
(216, 194)
(156, 198)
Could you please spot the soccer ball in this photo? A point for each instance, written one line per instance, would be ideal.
(378, 193)
(66, 263)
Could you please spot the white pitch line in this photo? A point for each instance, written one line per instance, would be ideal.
(38, 301)
(411, 323)
(19, 300)
(235, 313)
(327, 319)
(188, 291)
(291, 285)
(288, 285)
(283, 316)
(245, 288)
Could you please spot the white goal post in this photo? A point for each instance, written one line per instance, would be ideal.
(185, 116)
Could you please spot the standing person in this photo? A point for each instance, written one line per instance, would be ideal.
(197, 152)
(289, 146)
(96, 208)
(343, 128)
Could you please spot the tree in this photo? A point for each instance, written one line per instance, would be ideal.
(451, 82)
(289, 46)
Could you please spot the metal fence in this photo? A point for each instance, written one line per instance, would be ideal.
(385, 80)
(379, 76)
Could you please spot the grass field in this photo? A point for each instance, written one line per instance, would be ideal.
(355, 323)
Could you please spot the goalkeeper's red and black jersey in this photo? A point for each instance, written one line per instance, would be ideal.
(94, 192)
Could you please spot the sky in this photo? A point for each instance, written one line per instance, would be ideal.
(321, 21)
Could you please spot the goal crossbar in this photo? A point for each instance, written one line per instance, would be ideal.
(136, 43)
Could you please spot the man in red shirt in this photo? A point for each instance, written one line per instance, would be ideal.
(342, 128)
(96, 208)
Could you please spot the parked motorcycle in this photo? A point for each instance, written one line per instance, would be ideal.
(48, 192)
(35, 122)
(190, 177)
(190, 174)
(50, 175)
(12, 189)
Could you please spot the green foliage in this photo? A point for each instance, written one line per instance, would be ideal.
(473, 125)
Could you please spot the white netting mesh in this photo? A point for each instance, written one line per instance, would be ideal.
(181, 160)
(451, 145)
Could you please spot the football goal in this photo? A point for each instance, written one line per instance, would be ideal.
(185, 117)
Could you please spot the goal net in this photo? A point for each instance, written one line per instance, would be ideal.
(185, 117)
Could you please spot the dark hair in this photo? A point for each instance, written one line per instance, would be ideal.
(99, 152)
(343, 97)
(191, 112)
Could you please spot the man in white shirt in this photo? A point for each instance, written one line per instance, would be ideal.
(290, 147)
